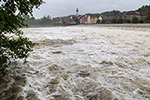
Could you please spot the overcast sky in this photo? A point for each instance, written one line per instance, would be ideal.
(57, 8)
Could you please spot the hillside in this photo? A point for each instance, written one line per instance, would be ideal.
(144, 8)
(112, 13)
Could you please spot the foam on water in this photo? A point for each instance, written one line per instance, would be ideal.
(83, 63)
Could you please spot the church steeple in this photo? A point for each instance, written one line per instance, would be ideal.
(77, 12)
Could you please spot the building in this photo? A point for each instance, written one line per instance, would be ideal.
(100, 18)
(108, 19)
(83, 19)
(144, 15)
(130, 14)
(77, 12)
(90, 19)
(97, 17)
(57, 20)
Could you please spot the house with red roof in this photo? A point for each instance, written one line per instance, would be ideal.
(131, 14)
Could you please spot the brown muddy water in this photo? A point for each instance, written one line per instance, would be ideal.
(82, 63)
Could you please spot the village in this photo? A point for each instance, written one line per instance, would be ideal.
(121, 17)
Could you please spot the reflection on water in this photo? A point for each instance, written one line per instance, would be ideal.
(82, 63)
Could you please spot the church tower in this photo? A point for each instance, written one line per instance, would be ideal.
(77, 12)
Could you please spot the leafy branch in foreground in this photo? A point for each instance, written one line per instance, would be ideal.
(13, 44)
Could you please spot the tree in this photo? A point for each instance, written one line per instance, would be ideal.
(76, 20)
(98, 21)
(111, 13)
(128, 21)
(114, 20)
(103, 21)
(12, 43)
(144, 8)
(45, 21)
(42, 22)
(141, 21)
(147, 19)
(135, 20)
(120, 20)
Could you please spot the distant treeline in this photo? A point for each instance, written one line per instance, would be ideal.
(117, 12)
(111, 13)
(42, 22)
(144, 8)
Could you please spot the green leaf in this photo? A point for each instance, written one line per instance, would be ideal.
(11, 20)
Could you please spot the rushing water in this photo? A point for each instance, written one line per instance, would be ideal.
(82, 63)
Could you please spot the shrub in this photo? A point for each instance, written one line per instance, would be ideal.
(103, 21)
(135, 20)
(120, 20)
(141, 21)
(128, 21)
(98, 21)
(147, 19)
(114, 20)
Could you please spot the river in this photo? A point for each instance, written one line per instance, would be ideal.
(85, 62)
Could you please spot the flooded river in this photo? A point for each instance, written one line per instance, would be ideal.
(82, 63)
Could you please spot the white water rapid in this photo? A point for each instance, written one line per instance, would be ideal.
(83, 63)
